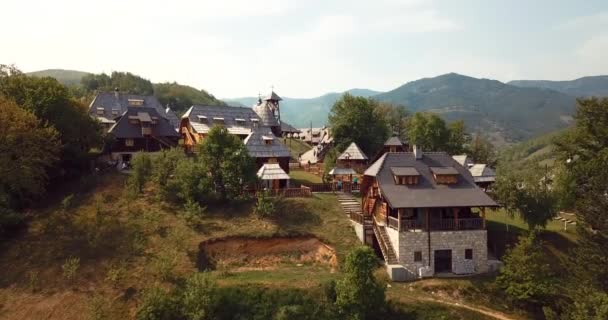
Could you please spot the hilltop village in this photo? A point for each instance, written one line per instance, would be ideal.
(127, 207)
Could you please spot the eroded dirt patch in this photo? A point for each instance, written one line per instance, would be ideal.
(243, 253)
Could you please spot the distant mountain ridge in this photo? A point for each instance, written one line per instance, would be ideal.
(301, 112)
(65, 77)
(507, 113)
(581, 87)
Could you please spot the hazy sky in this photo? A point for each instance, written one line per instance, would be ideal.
(306, 48)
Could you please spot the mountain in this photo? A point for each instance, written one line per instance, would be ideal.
(66, 77)
(582, 87)
(300, 112)
(505, 112)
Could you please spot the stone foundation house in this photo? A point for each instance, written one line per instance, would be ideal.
(426, 214)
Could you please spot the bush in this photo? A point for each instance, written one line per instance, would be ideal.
(164, 263)
(193, 213)
(99, 308)
(198, 298)
(70, 268)
(358, 294)
(158, 305)
(67, 202)
(140, 174)
(266, 206)
(116, 274)
(527, 277)
(33, 281)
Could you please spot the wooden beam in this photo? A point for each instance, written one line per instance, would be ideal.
(456, 210)
(483, 216)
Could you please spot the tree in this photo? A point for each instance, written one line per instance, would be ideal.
(583, 150)
(199, 297)
(27, 149)
(396, 116)
(356, 119)
(164, 164)
(482, 151)
(142, 169)
(359, 295)
(228, 163)
(158, 305)
(457, 138)
(530, 196)
(50, 102)
(181, 97)
(123, 81)
(329, 162)
(428, 131)
(189, 182)
(527, 277)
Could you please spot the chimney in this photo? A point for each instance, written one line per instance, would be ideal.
(116, 92)
(417, 152)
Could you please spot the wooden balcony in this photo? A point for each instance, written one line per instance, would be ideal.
(436, 225)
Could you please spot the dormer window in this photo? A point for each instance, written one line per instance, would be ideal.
(154, 120)
(255, 121)
(218, 120)
(445, 175)
(133, 119)
(114, 112)
(405, 175)
(202, 119)
(240, 122)
(100, 111)
(136, 102)
(267, 140)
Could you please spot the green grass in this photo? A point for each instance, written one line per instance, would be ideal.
(296, 147)
(299, 177)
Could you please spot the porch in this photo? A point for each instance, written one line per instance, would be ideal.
(433, 219)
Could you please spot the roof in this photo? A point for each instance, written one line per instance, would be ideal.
(393, 141)
(352, 153)
(228, 115)
(443, 170)
(119, 102)
(463, 160)
(272, 171)
(273, 96)
(482, 173)
(172, 117)
(266, 114)
(286, 127)
(404, 171)
(342, 171)
(257, 147)
(123, 128)
(427, 193)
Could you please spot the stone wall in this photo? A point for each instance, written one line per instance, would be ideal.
(457, 241)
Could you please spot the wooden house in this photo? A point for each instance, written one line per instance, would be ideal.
(483, 175)
(139, 129)
(427, 213)
(352, 157)
(273, 176)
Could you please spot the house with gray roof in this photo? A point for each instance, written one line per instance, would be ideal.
(483, 174)
(108, 106)
(261, 142)
(139, 129)
(428, 214)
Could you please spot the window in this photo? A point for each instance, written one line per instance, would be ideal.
(114, 112)
(202, 119)
(136, 102)
(417, 256)
(100, 111)
(468, 254)
(129, 142)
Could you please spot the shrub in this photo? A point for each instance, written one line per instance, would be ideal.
(527, 277)
(67, 202)
(142, 169)
(193, 213)
(158, 305)
(116, 274)
(198, 299)
(266, 206)
(358, 294)
(33, 281)
(164, 263)
(70, 268)
(98, 308)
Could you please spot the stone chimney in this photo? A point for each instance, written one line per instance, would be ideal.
(417, 152)
(116, 92)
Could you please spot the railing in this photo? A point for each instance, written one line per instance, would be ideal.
(393, 223)
(146, 131)
(320, 187)
(436, 225)
(295, 165)
(302, 192)
(360, 218)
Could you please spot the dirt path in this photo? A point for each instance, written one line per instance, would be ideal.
(490, 313)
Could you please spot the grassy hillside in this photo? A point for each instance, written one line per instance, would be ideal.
(536, 151)
(297, 147)
(487, 106)
(66, 77)
(582, 87)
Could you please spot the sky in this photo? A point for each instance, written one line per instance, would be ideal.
(236, 48)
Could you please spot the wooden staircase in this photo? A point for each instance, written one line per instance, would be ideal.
(385, 244)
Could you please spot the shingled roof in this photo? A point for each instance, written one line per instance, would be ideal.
(258, 148)
(273, 96)
(172, 117)
(264, 111)
(114, 104)
(393, 142)
(237, 120)
(427, 193)
(352, 153)
(123, 128)
(272, 171)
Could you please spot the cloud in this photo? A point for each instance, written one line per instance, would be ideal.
(585, 22)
